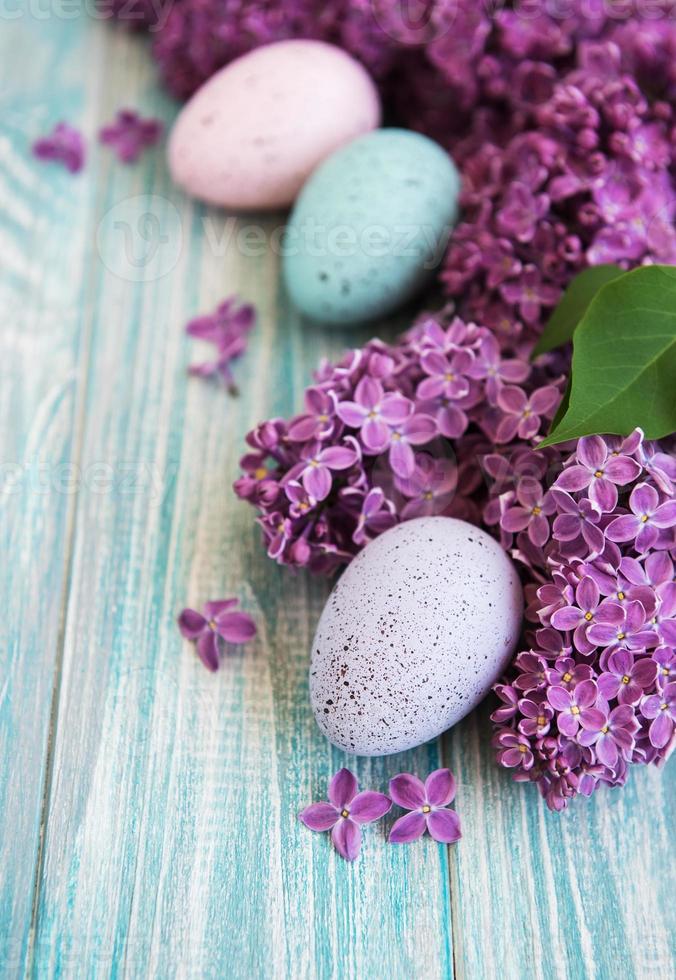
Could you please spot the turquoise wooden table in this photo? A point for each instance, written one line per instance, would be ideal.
(147, 808)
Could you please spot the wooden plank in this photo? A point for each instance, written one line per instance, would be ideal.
(583, 894)
(172, 846)
(45, 224)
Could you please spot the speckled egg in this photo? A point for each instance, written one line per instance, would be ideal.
(421, 624)
(249, 138)
(370, 226)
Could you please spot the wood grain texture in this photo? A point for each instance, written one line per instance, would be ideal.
(44, 230)
(166, 798)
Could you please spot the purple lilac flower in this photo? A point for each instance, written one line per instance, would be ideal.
(430, 488)
(522, 413)
(580, 616)
(572, 705)
(345, 812)
(577, 519)
(64, 144)
(227, 328)
(218, 621)
(318, 464)
(627, 678)
(514, 749)
(129, 134)
(647, 517)
(616, 624)
(533, 507)
(660, 709)
(428, 803)
(611, 733)
(375, 516)
(599, 471)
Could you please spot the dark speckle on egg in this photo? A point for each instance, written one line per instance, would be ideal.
(422, 622)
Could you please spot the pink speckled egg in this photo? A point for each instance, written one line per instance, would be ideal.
(250, 137)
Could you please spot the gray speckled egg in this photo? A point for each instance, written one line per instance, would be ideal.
(418, 628)
(370, 226)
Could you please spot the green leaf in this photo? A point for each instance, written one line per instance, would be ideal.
(624, 360)
(573, 306)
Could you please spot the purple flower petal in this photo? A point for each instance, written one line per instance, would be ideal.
(559, 698)
(621, 470)
(665, 515)
(317, 481)
(394, 409)
(623, 528)
(375, 435)
(215, 607)
(407, 791)
(440, 787)
(351, 414)
(191, 624)
(574, 478)
(606, 751)
(660, 730)
(592, 452)
(369, 806)
(338, 457)
(408, 828)
(236, 627)
(402, 458)
(207, 650)
(444, 826)
(343, 788)
(567, 618)
(319, 816)
(346, 837)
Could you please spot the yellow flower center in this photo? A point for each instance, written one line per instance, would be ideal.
(345, 814)
(260, 473)
(588, 616)
(575, 710)
(303, 505)
(523, 749)
(620, 596)
(644, 519)
(396, 436)
(212, 624)
(541, 720)
(598, 474)
(323, 418)
(567, 677)
(428, 495)
(427, 809)
(536, 511)
(625, 679)
(663, 707)
(372, 415)
(621, 636)
(665, 671)
(449, 377)
(314, 462)
(604, 730)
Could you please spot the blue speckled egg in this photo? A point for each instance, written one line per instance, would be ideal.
(370, 226)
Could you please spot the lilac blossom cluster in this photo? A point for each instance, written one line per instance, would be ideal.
(595, 690)
(560, 116)
(445, 423)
